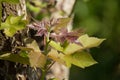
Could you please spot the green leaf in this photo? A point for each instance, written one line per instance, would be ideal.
(36, 58)
(10, 1)
(86, 41)
(23, 53)
(25, 48)
(56, 45)
(89, 42)
(15, 20)
(33, 45)
(15, 58)
(71, 48)
(32, 56)
(12, 25)
(35, 9)
(54, 55)
(80, 59)
(53, 79)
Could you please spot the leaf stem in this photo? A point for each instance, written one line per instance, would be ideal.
(43, 74)
(50, 66)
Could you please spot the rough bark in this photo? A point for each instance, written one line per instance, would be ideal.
(9, 70)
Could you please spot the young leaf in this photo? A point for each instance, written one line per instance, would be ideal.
(86, 41)
(30, 55)
(23, 53)
(89, 42)
(34, 59)
(15, 58)
(37, 59)
(55, 45)
(33, 45)
(61, 23)
(35, 9)
(25, 48)
(53, 79)
(12, 25)
(54, 55)
(10, 1)
(80, 59)
(71, 48)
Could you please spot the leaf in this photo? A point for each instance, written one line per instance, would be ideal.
(33, 45)
(55, 45)
(34, 59)
(86, 41)
(35, 9)
(25, 48)
(62, 22)
(30, 55)
(10, 1)
(89, 42)
(80, 59)
(71, 48)
(15, 58)
(53, 79)
(23, 53)
(12, 25)
(54, 55)
(37, 59)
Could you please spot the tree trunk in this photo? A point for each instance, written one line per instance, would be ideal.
(10, 70)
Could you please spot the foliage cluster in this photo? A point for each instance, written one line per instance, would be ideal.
(58, 44)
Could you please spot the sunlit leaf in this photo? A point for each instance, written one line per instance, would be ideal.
(56, 45)
(53, 79)
(15, 58)
(80, 59)
(23, 53)
(30, 55)
(33, 45)
(10, 31)
(54, 55)
(71, 48)
(33, 8)
(34, 59)
(25, 48)
(89, 42)
(37, 59)
(10, 1)
(12, 25)
(85, 41)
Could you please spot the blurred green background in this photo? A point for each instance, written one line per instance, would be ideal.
(100, 18)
